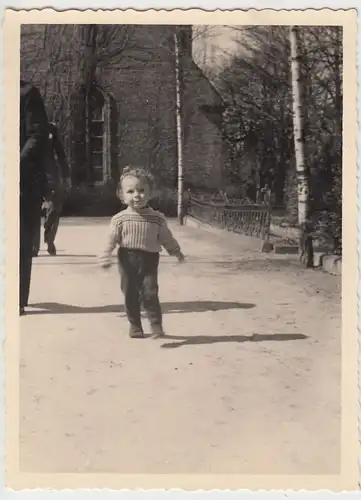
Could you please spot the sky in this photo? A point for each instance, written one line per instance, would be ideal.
(214, 45)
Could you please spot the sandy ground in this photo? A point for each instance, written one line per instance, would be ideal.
(247, 380)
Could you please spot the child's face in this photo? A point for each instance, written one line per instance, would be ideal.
(135, 192)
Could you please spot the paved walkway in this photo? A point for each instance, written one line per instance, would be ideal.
(247, 381)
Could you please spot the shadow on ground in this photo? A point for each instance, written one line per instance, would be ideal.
(210, 339)
(43, 253)
(167, 307)
(257, 264)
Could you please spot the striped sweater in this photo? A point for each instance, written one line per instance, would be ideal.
(145, 229)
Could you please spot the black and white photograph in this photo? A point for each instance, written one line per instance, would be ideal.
(183, 247)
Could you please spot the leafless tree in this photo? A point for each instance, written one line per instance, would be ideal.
(256, 85)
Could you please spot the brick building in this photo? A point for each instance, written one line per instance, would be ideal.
(112, 90)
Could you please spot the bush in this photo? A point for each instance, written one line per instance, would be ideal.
(92, 201)
(327, 230)
(99, 201)
(165, 199)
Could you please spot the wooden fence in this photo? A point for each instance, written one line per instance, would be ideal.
(250, 220)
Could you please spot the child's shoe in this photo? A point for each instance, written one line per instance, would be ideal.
(136, 332)
(157, 331)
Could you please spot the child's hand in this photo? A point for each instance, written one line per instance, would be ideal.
(105, 265)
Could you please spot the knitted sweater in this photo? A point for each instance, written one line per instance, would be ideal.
(145, 229)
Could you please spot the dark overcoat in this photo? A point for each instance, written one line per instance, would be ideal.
(34, 131)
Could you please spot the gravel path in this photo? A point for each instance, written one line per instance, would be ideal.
(247, 380)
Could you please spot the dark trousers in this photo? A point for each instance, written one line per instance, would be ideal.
(54, 208)
(139, 284)
(30, 210)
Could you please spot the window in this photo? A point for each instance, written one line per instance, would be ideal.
(97, 128)
(97, 106)
(91, 144)
(96, 144)
(98, 136)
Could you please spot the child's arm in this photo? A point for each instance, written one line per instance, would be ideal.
(168, 241)
(113, 238)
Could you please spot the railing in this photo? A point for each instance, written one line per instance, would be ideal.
(251, 220)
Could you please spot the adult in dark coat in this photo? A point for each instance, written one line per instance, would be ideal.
(58, 184)
(33, 139)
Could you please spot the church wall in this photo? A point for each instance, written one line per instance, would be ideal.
(139, 84)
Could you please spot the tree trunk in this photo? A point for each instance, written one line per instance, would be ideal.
(91, 34)
(338, 79)
(179, 121)
(306, 243)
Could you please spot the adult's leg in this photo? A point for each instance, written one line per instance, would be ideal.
(25, 258)
(51, 224)
(30, 210)
(128, 264)
(150, 291)
(36, 237)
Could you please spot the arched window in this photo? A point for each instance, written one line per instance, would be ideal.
(91, 136)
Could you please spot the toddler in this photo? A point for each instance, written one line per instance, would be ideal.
(140, 233)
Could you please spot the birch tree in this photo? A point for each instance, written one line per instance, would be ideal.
(258, 121)
(179, 117)
(183, 78)
(306, 246)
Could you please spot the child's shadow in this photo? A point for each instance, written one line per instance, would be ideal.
(203, 306)
(215, 339)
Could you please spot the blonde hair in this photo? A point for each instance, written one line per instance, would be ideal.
(138, 173)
